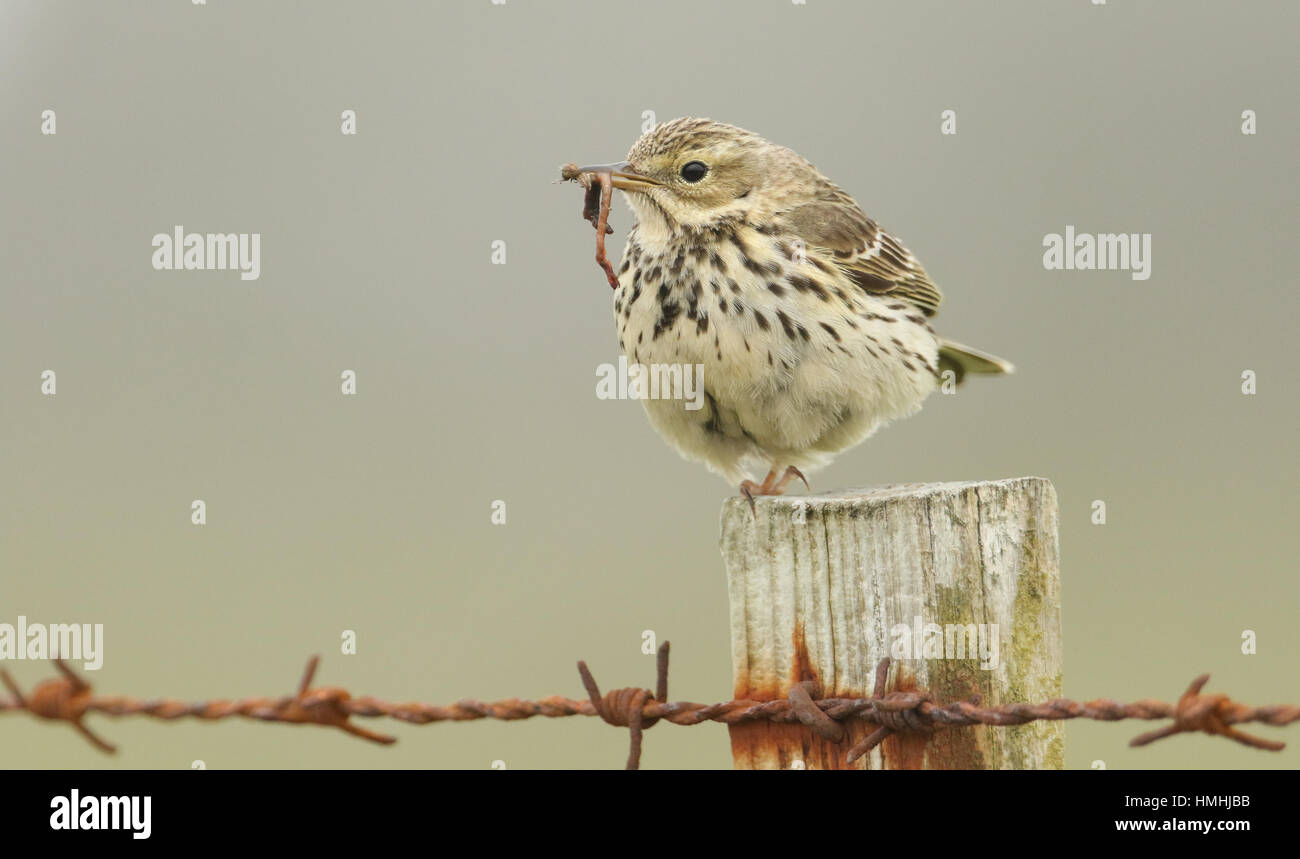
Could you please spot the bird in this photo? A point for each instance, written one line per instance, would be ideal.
(810, 324)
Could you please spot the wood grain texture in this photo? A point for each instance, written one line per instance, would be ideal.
(821, 585)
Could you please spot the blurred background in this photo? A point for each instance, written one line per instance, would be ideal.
(476, 381)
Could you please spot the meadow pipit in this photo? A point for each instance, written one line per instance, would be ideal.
(810, 322)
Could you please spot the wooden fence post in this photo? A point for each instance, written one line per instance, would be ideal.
(822, 586)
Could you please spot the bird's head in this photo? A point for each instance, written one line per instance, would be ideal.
(695, 173)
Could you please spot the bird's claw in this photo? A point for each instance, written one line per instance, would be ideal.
(746, 489)
(770, 486)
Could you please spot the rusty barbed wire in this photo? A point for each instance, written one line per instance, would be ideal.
(69, 698)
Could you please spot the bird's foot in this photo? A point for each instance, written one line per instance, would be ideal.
(790, 474)
(770, 486)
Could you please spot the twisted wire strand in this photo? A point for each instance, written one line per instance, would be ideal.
(70, 698)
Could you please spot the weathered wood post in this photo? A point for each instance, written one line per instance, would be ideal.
(822, 588)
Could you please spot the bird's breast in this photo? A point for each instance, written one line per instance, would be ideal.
(778, 335)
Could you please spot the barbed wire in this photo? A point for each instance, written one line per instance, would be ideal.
(69, 698)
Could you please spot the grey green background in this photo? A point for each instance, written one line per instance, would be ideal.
(476, 381)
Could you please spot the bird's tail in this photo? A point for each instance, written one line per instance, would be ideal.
(963, 359)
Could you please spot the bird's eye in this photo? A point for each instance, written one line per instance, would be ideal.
(694, 171)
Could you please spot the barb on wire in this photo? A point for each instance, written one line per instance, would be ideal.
(625, 708)
(1211, 714)
(70, 698)
(66, 698)
(891, 722)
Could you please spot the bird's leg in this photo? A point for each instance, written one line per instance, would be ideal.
(790, 474)
(770, 485)
(749, 489)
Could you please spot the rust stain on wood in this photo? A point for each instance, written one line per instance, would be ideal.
(767, 745)
(904, 751)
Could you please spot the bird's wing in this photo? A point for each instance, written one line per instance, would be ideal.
(873, 259)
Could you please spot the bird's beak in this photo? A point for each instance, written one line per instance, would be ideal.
(622, 176)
